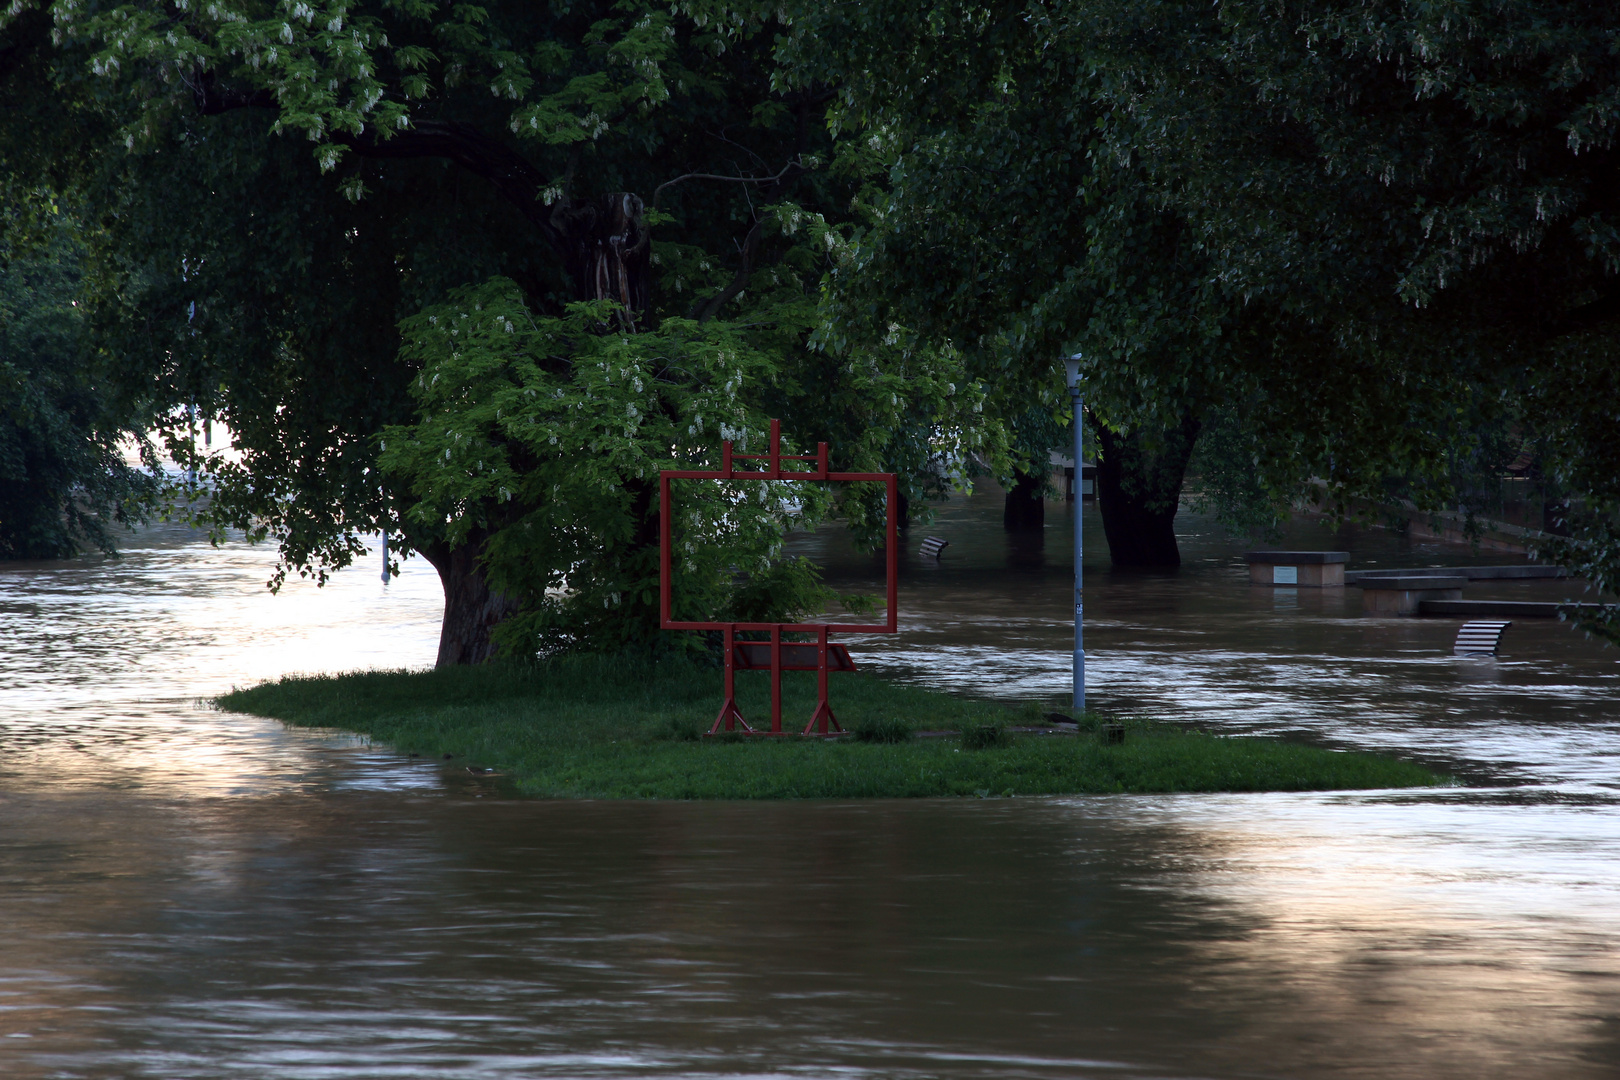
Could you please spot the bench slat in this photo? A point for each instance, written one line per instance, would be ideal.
(1480, 638)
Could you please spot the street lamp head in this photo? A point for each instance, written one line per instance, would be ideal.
(1073, 366)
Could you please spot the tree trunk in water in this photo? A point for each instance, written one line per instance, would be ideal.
(1139, 489)
(1024, 507)
(471, 609)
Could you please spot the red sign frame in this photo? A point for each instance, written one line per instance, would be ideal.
(822, 721)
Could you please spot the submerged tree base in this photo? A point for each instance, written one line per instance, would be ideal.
(597, 728)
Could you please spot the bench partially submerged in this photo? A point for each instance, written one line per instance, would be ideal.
(1311, 569)
(1480, 638)
(1437, 590)
(932, 546)
(1405, 594)
(1522, 572)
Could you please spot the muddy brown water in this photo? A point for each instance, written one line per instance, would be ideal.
(186, 893)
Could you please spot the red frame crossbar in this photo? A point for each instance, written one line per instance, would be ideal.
(730, 719)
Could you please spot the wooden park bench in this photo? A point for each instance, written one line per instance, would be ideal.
(1480, 638)
(932, 546)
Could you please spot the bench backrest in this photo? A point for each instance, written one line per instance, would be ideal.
(1480, 638)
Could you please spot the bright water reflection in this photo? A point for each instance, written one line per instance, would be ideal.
(106, 661)
(194, 894)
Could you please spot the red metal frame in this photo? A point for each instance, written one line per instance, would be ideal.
(822, 721)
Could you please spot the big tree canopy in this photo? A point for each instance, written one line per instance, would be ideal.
(282, 185)
(64, 427)
(64, 481)
(1367, 228)
(977, 129)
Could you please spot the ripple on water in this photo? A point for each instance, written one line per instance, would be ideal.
(201, 894)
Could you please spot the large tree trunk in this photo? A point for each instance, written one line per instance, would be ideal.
(1139, 490)
(1024, 506)
(471, 609)
(606, 248)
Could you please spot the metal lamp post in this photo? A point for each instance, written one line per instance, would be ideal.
(1073, 366)
(385, 574)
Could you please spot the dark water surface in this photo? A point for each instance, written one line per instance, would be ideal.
(186, 893)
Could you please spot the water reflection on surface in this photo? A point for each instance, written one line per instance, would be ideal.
(188, 893)
(106, 660)
(995, 617)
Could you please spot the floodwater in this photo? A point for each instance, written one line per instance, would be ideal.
(186, 893)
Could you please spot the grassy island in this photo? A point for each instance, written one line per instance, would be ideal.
(586, 727)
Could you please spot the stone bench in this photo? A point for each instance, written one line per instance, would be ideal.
(1527, 609)
(1528, 572)
(1402, 594)
(1310, 569)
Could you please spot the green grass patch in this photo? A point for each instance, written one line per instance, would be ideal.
(593, 727)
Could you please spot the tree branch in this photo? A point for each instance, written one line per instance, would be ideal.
(709, 308)
(790, 166)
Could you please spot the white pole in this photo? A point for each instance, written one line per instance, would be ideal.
(1073, 366)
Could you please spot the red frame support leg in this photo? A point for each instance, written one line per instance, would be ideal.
(822, 721)
(730, 716)
(776, 680)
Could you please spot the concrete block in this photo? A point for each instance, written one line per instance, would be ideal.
(1306, 569)
(1404, 595)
